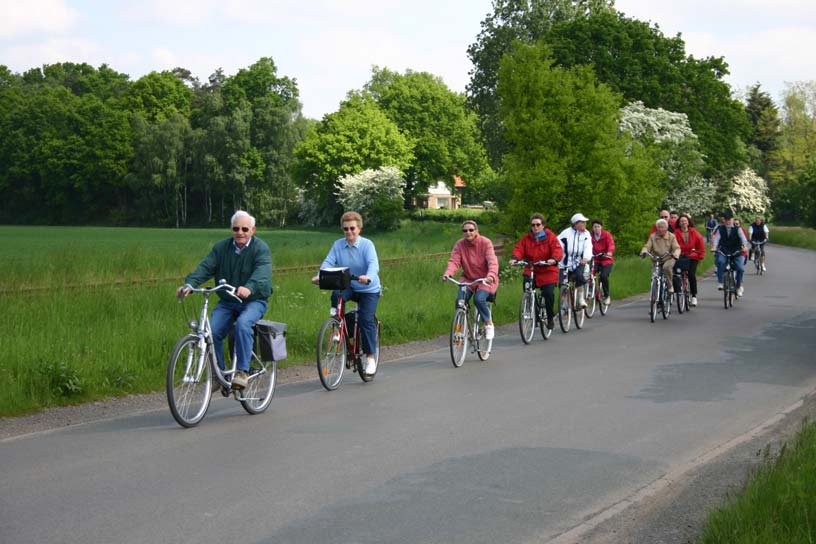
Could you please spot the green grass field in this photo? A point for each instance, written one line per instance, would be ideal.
(794, 236)
(90, 312)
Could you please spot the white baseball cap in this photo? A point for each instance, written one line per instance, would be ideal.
(578, 217)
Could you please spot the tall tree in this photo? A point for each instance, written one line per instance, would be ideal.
(524, 20)
(765, 130)
(357, 137)
(434, 118)
(566, 153)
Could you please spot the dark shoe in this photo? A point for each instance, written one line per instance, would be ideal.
(550, 323)
(240, 380)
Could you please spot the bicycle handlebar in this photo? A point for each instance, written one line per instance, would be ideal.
(357, 278)
(466, 283)
(737, 253)
(536, 263)
(656, 257)
(222, 286)
(758, 243)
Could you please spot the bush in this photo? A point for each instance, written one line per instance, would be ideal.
(376, 194)
(482, 217)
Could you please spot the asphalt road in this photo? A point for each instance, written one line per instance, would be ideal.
(530, 445)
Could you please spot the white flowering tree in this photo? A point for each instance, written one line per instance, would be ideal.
(376, 194)
(696, 199)
(670, 139)
(749, 194)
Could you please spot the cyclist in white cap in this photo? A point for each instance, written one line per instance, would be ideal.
(577, 244)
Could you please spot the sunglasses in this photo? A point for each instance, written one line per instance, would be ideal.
(468, 230)
(243, 229)
(535, 224)
(352, 229)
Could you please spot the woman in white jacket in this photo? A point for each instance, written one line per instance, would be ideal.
(577, 243)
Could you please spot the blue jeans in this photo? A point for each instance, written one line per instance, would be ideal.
(244, 317)
(366, 314)
(480, 301)
(739, 266)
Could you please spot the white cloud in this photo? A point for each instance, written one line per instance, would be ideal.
(175, 12)
(32, 16)
(53, 51)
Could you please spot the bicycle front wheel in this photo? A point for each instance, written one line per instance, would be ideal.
(458, 337)
(578, 313)
(189, 374)
(726, 289)
(591, 298)
(261, 385)
(483, 344)
(666, 302)
(680, 297)
(331, 354)
(363, 375)
(527, 316)
(654, 292)
(564, 310)
(546, 332)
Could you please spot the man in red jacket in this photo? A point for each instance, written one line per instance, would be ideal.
(603, 243)
(541, 244)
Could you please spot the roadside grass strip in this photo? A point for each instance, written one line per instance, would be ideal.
(777, 505)
(794, 237)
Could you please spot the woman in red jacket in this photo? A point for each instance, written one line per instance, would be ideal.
(692, 246)
(540, 244)
(602, 242)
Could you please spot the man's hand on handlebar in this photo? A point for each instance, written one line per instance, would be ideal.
(242, 292)
(183, 291)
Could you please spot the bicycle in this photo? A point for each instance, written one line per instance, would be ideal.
(594, 296)
(659, 296)
(532, 308)
(466, 331)
(681, 294)
(567, 309)
(193, 365)
(757, 248)
(730, 278)
(337, 349)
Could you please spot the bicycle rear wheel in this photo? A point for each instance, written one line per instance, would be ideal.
(331, 354)
(458, 337)
(261, 385)
(189, 374)
(654, 292)
(542, 318)
(483, 345)
(361, 371)
(564, 308)
(527, 316)
(592, 293)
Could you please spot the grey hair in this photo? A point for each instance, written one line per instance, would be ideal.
(239, 214)
(657, 223)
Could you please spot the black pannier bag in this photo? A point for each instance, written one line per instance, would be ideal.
(334, 278)
(270, 337)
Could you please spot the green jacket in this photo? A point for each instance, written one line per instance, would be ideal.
(252, 268)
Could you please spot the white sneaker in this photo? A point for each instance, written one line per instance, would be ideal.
(490, 332)
(740, 291)
(336, 338)
(371, 365)
(694, 301)
(607, 301)
(719, 287)
(581, 302)
(764, 269)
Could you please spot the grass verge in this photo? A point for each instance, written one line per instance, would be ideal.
(777, 505)
(795, 237)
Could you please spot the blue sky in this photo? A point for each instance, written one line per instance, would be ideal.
(330, 46)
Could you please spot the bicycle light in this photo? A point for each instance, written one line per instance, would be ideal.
(193, 325)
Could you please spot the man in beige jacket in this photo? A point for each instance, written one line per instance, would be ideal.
(661, 242)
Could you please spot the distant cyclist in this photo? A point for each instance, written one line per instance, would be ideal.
(663, 242)
(729, 239)
(475, 255)
(602, 242)
(710, 225)
(540, 244)
(758, 232)
(577, 244)
(692, 251)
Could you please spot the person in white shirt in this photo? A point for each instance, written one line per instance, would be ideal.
(577, 243)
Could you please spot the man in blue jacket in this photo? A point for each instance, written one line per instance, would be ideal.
(245, 263)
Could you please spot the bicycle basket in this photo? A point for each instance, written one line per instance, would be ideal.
(270, 338)
(334, 278)
(682, 264)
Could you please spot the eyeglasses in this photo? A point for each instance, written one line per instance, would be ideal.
(243, 229)
(535, 224)
(468, 230)
(664, 217)
(352, 229)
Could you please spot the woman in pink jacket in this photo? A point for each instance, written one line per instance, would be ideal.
(475, 256)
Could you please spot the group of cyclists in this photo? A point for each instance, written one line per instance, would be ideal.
(243, 260)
